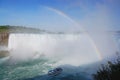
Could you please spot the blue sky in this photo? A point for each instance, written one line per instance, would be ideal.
(61, 15)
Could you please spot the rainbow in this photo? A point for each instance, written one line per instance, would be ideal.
(98, 53)
(65, 16)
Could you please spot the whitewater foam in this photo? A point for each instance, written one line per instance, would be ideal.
(73, 49)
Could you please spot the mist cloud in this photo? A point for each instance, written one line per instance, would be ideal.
(98, 24)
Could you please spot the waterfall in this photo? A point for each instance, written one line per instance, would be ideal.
(73, 49)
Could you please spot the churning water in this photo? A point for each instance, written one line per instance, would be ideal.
(35, 54)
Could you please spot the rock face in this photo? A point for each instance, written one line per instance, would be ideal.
(4, 39)
(4, 42)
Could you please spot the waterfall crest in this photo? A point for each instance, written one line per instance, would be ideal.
(73, 49)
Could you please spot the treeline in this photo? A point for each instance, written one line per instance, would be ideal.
(110, 71)
(4, 28)
(23, 29)
(19, 29)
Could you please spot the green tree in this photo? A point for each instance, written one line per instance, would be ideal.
(110, 71)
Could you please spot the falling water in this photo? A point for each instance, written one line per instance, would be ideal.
(34, 54)
(73, 49)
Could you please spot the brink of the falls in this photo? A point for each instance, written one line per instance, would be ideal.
(73, 49)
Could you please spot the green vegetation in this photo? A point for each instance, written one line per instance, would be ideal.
(4, 28)
(23, 29)
(19, 29)
(110, 71)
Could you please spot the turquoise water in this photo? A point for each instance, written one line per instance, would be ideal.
(25, 69)
(37, 70)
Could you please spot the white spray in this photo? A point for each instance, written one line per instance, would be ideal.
(73, 49)
(99, 25)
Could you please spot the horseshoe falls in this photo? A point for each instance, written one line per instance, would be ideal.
(32, 55)
(73, 49)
